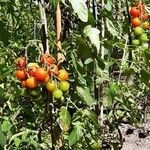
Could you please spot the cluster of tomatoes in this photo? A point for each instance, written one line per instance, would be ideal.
(140, 23)
(32, 76)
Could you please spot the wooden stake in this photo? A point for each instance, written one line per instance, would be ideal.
(58, 32)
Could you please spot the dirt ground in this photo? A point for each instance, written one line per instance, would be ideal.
(136, 138)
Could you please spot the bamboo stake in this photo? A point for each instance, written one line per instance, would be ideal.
(58, 32)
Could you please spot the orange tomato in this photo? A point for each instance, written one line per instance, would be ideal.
(135, 22)
(63, 75)
(21, 74)
(31, 83)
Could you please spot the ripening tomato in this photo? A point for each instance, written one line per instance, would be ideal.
(145, 25)
(63, 74)
(135, 12)
(47, 59)
(64, 86)
(23, 83)
(51, 86)
(57, 93)
(135, 22)
(31, 83)
(46, 78)
(40, 74)
(141, 6)
(21, 62)
(53, 69)
(144, 16)
(21, 74)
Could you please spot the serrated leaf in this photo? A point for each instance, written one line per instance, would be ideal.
(76, 134)
(111, 28)
(80, 7)
(64, 119)
(93, 35)
(84, 94)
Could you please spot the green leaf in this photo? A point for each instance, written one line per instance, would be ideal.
(79, 7)
(76, 134)
(147, 56)
(17, 142)
(92, 117)
(6, 126)
(84, 50)
(84, 94)
(108, 5)
(54, 3)
(64, 119)
(111, 28)
(93, 35)
(145, 75)
(2, 138)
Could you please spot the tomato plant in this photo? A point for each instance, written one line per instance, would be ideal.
(79, 83)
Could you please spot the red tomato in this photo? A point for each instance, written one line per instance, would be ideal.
(140, 5)
(21, 62)
(31, 83)
(135, 12)
(40, 74)
(63, 75)
(32, 70)
(135, 22)
(47, 59)
(144, 16)
(21, 74)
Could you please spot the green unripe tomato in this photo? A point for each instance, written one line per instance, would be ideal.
(144, 45)
(57, 93)
(64, 86)
(135, 42)
(138, 31)
(143, 37)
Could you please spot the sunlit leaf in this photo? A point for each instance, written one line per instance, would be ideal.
(79, 7)
(93, 34)
(64, 119)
